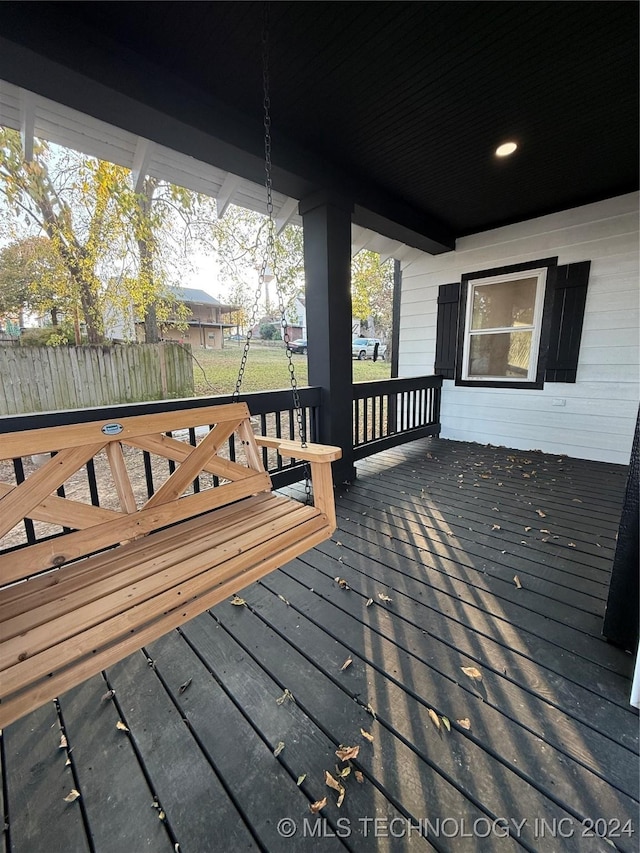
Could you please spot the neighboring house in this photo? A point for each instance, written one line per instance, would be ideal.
(207, 323)
(534, 328)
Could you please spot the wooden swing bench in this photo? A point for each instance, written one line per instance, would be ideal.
(75, 603)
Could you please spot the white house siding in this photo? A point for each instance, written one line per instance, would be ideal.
(591, 419)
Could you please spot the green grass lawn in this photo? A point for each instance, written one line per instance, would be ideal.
(215, 371)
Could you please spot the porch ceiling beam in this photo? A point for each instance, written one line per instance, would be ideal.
(141, 162)
(360, 239)
(285, 214)
(225, 196)
(27, 123)
(391, 252)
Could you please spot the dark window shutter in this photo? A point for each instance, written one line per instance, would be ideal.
(567, 315)
(447, 330)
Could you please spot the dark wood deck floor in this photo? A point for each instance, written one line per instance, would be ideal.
(431, 538)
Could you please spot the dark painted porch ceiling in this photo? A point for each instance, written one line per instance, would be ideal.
(395, 102)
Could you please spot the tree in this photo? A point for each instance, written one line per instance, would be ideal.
(32, 277)
(73, 206)
(372, 291)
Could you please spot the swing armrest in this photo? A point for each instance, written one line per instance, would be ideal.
(318, 455)
(310, 453)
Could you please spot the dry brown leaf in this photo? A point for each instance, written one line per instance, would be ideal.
(435, 719)
(237, 601)
(347, 663)
(121, 726)
(347, 753)
(541, 514)
(465, 723)
(367, 735)
(342, 583)
(72, 796)
(330, 782)
(184, 686)
(301, 779)
(286, 695)
(342, 774)
(516, 581)
(384, 597)
(63, 742)
(472, 672)
(340, 799)
(278, 749)
(369, 602)
(446, 723)
(314, 808)
(369, 708)
(359, 776)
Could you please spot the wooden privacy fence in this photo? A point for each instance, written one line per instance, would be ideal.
(40, 379)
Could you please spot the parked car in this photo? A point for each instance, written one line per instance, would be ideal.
(362, 348)
(299, 345)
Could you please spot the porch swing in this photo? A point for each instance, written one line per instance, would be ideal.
(117, 579)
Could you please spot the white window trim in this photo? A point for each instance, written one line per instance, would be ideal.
(536, 328)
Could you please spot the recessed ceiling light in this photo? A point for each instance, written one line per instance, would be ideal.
(506, 149)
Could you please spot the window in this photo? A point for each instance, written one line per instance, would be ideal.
(502, 327)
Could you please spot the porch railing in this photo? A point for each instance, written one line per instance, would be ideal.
(393, 411)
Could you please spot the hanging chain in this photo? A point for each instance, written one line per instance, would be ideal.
(270, 255)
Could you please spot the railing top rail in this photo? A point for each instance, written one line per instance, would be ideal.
(260, 403)
(394, 386)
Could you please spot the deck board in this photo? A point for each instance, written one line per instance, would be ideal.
(552, 735)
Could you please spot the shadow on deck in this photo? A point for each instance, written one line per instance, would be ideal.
(450, 555)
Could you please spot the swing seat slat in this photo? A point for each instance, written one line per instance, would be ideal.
(76, 603)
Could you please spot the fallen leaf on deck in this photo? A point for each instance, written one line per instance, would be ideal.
(544, 530)
(527, 529)
(161, 815)
(347, 663)
(282, 598)
(435, 719)
(446, 723)
(278, 749)
(63, 742)
(370, 710)
(369, 602)
(301, 779)
(465, 723)
(72, 795)
(367, 735)
(108, 695)
(359, 776)
(338, 542)
(516, 581)
(342, 583)
(237, 601)
(472, 672)
(340, 799)
(541, 514)
(342, 774)
(384, 597)
(347, 753)
(184, 686)
(495, 527)
(330, 782)
(571, 544)
(314, 808)
(120, 725)
(286, 695)
(67, 762)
